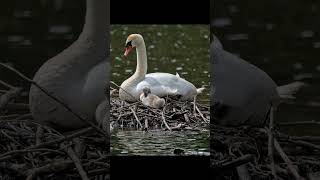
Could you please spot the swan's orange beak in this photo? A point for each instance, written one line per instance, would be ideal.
(127, 50)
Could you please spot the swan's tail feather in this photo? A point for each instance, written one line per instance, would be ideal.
(287, 91)
(200, 90)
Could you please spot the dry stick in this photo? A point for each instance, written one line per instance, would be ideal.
(39, 134)
(234, 163)
(99, 171)
(16, 168)
(136, 117)
(56, 99)
(286, 159)
(29, 121)
(164, 119)
(271, 143)
(186, 118)
(204, 119)
(299, 123)
(77, 163)
(25, 116)
(9, 154)
(18, 106)
(302, 138)
(8, 116)
(11, 138)
(306, 144)
(5, 155)
(146, 124)
(194, 104)
(4, 99)
(7, 85)
(52, 167)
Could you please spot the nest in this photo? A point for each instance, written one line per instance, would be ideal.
(175, 115)
(29, 150)
(248, 153)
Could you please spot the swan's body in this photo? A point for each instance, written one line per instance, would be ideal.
(151, 100)
(243, 93)
(160, 84)
(76, 76)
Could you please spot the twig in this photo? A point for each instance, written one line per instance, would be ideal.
(39, 135)
(186, 118)
(136, 117)
(51, 167)
(164, 119)
(286, 159)
(103, 171)
(271, 143)
(146, 124)
(234, 163)
(77, 163)
(204, 119)
(18, 152)
(25, 116)
(306, 144)
(299, 123)
(302, 138)
(18, 106)
(4, 99)
(7, 85)
(56, 99)
(9, 154)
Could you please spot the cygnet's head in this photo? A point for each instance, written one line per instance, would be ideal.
(133, 40)
(146, 91)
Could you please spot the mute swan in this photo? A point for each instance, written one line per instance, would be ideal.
(77, 75)
(241, 92)
(160, 84)
(151, 100)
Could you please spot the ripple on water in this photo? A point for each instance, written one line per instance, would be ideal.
(160, 142)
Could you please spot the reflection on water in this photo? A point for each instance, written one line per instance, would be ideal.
(160, 142)
(286, 47)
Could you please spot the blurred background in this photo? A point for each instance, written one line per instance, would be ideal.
(283, 39)
(33, 31)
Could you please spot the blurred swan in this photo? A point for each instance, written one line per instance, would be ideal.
(77, 75)
(241, 92)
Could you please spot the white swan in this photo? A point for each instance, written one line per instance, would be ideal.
(77, 76)
(160, 84)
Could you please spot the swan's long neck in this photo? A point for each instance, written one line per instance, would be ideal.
(142, 66)
(94, 36)
(96, 20)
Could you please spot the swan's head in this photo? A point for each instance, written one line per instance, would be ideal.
(132, 41)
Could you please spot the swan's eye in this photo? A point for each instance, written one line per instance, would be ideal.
(129, 44)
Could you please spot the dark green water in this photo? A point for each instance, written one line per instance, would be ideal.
(159, 142)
